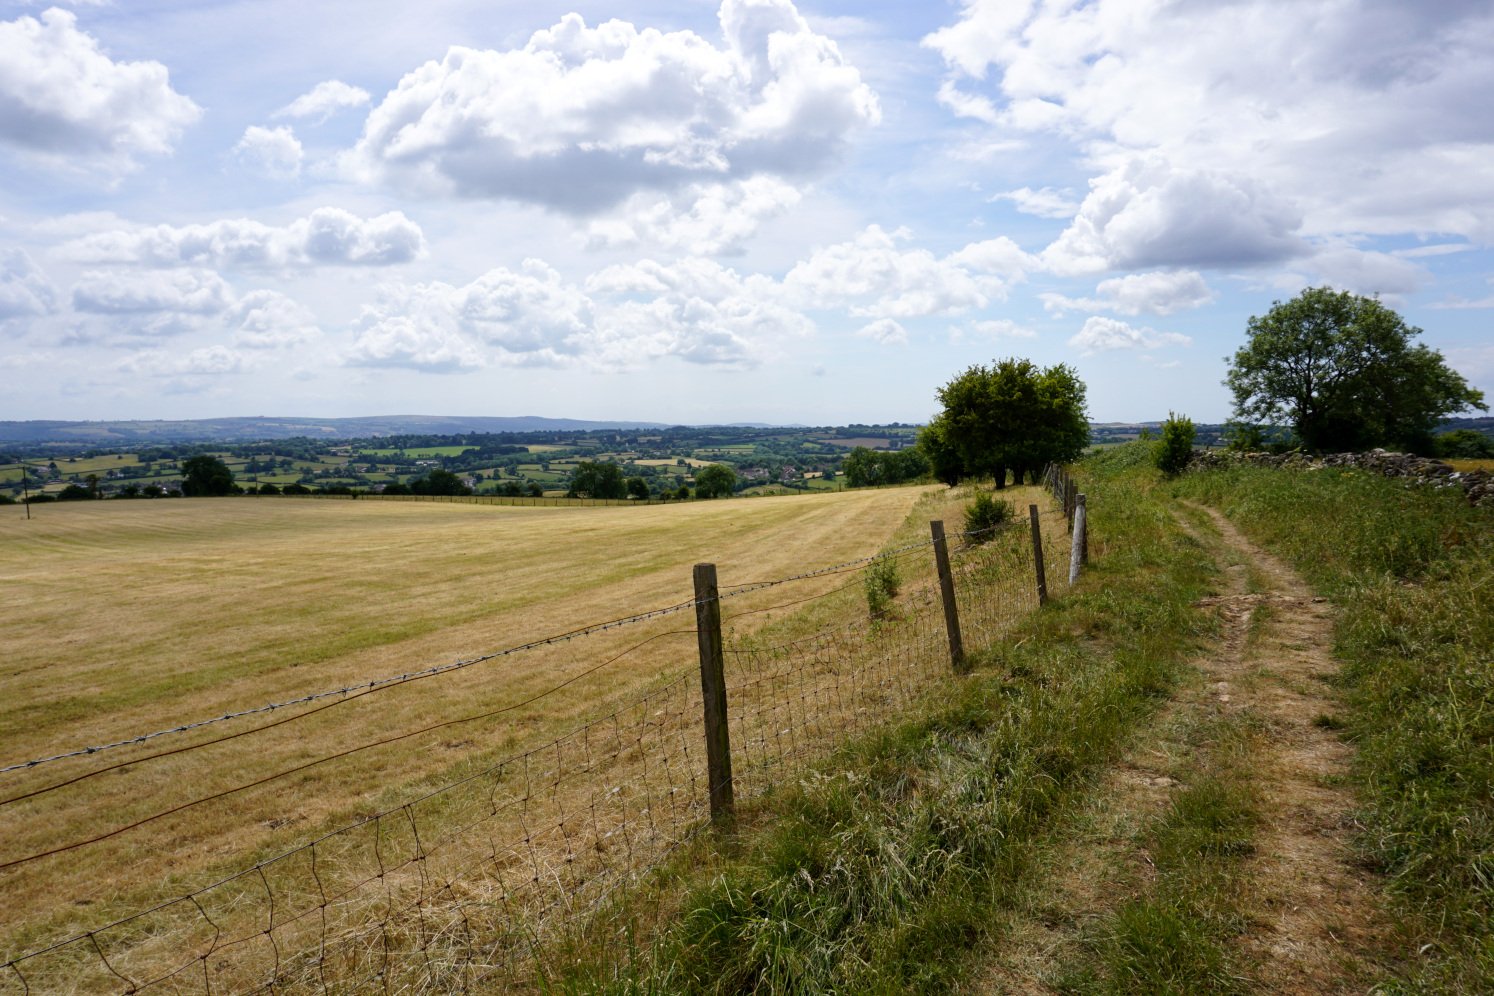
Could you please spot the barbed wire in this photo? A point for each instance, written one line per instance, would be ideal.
(336, 756)
(849, 565)
(361, 687)
(568, 821)
(666, 686)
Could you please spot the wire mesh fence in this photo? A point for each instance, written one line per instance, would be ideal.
(462, 885)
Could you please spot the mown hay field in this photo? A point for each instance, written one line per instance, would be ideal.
(123, 618)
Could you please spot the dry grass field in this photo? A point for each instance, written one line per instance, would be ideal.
(124, 618)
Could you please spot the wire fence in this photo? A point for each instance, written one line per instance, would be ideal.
(464, 884)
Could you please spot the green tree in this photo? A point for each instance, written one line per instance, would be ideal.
(204, 475)
(1175, 448)
(439, 481)
(943, 458)
(1010, 416)
(637, 487)
(864, 468)
(715, 481)
(1342, 371)
(597, 479)
(1469, 444)
(861, 468)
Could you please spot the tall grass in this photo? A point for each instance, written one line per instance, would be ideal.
(1413, 570)
(878, 872)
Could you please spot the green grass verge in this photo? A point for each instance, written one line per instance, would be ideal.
(879, 871)
(1413, 571)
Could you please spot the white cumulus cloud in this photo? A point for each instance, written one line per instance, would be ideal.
(1045, 202)
(1158, 293)
(267, 319)
(875, 277)
(532, 311)
(327, 235)
(695, 310)
(1277, 121)
(1101, 334)
(1150, 213)
(413, 328)
(24, 288)
(324, 100)
(190, 292)
(701, 219)
(276, 152)
(62, 96)
(581, 118)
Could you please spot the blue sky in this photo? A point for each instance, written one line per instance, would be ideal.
(684, 212)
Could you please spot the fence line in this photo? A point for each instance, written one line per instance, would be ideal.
(461, 885)
(1057, 480)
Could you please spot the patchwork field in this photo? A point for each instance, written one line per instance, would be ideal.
(125, 618)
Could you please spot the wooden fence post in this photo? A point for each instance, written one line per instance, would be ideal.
(947, 591)
(713, 690)
(1076, 557)
(1037, 555)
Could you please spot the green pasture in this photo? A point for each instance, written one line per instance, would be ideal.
(419, 452)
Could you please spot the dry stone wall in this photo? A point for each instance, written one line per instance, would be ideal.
(1478, 485)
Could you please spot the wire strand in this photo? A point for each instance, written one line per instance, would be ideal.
(364, 686)
(331, 757)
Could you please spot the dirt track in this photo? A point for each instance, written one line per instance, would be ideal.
(1312, 921)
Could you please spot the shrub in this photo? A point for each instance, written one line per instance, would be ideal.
(1465, 443)
(1243, 437)
(985, 515)
(882, 583)
(1175, 448)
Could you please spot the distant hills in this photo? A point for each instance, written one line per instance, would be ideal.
(127, 433)
(132, 432)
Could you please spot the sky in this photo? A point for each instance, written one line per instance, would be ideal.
(675, 211)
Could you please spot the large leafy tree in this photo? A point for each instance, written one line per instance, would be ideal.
(597, 479)
(1010, 416)
(205, 475)
(439, 481)
(715, 481)
(866, 468)
(1343, 372)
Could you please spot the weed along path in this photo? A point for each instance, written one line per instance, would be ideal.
(1215, 857)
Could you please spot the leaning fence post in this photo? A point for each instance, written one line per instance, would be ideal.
(947, 591)
(713, 689)
(1076, 557)
(1037, 555)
